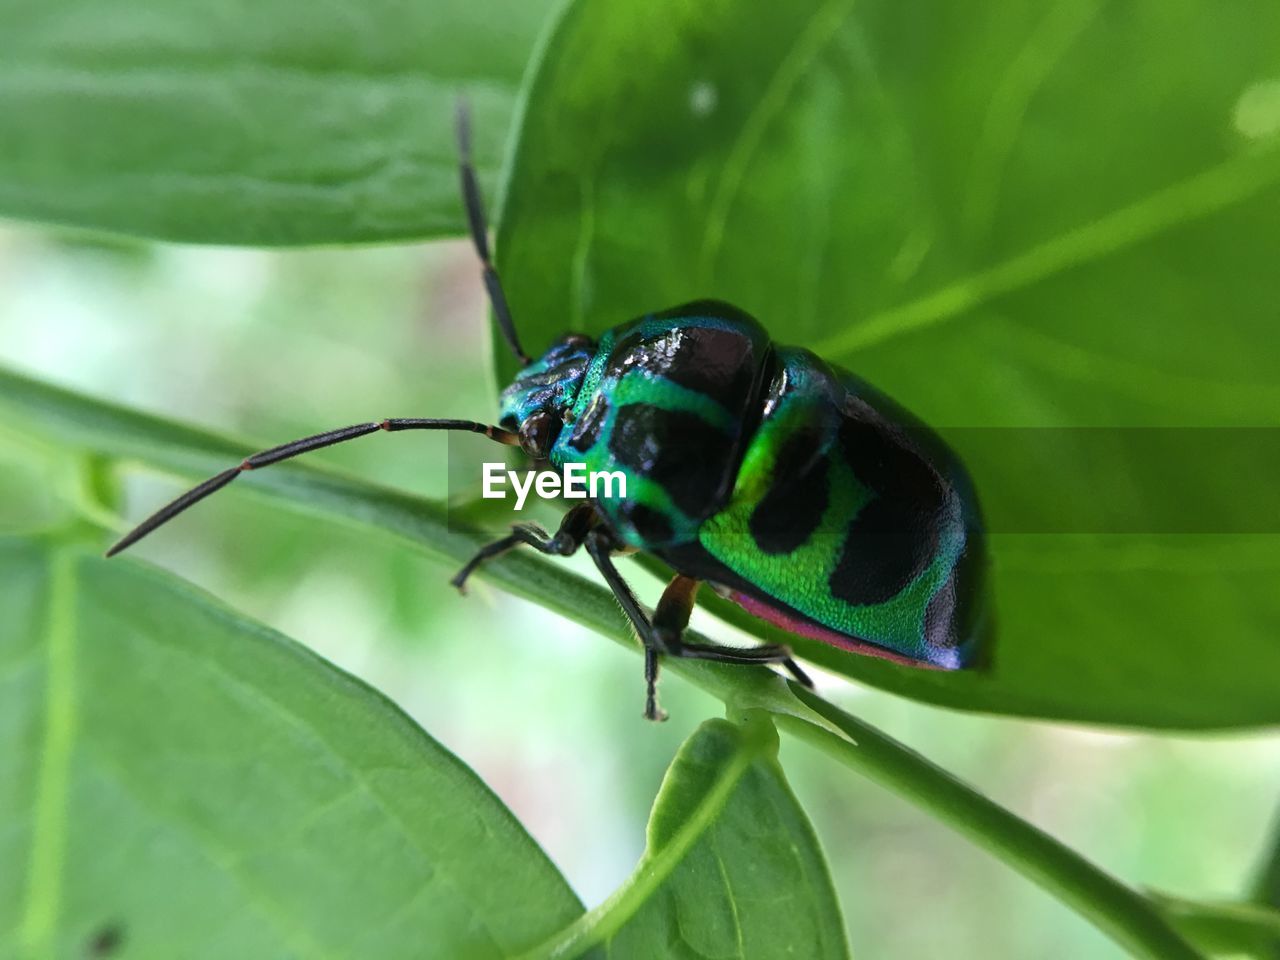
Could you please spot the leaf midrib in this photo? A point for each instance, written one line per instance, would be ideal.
(38, 927)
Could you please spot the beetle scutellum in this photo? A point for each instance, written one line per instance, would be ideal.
(789, 485)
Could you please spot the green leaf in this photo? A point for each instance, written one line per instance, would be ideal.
(754, 886)
(253, 122)
(731, 868)
(1018, 215)
(182, 781)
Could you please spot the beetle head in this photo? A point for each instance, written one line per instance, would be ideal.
(536, 403)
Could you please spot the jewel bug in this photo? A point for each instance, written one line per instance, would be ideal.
(787, 484)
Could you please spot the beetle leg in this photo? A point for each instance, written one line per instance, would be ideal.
(768, 653)
(662, 635)
(651, 709)
(568, 538)
(669, 620)
(599, 546)
(672, 617)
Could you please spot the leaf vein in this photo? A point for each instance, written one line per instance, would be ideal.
(52, 797)
(808, 45)
(1212, 191)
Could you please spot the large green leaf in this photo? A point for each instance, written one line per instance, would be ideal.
(1018, 215)
(181, 781)
(253, 122)
(731, 867)
(754, 886)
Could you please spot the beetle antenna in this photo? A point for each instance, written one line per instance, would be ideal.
(480, 233)
(292, 449)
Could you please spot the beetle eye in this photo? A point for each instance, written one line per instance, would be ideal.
(537, 434)
(576, 340)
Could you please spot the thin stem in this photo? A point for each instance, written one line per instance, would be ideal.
(1266, 885)
(1119, 911)
(1249, 929)
(598, 925)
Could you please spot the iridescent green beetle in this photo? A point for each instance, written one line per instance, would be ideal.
(788, 485)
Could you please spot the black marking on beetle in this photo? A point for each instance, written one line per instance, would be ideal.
(881, 554)
(791, 510)
(712, 360)
(650, 524)
(587, 430)
(677, 449)
(894, 537)
(708, 360)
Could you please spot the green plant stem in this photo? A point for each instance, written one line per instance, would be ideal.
(120, 433)
(599, 924)
(1225, 928)
(1266, 885)
(1116, 909)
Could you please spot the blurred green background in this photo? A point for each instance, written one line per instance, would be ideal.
(545, 712)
